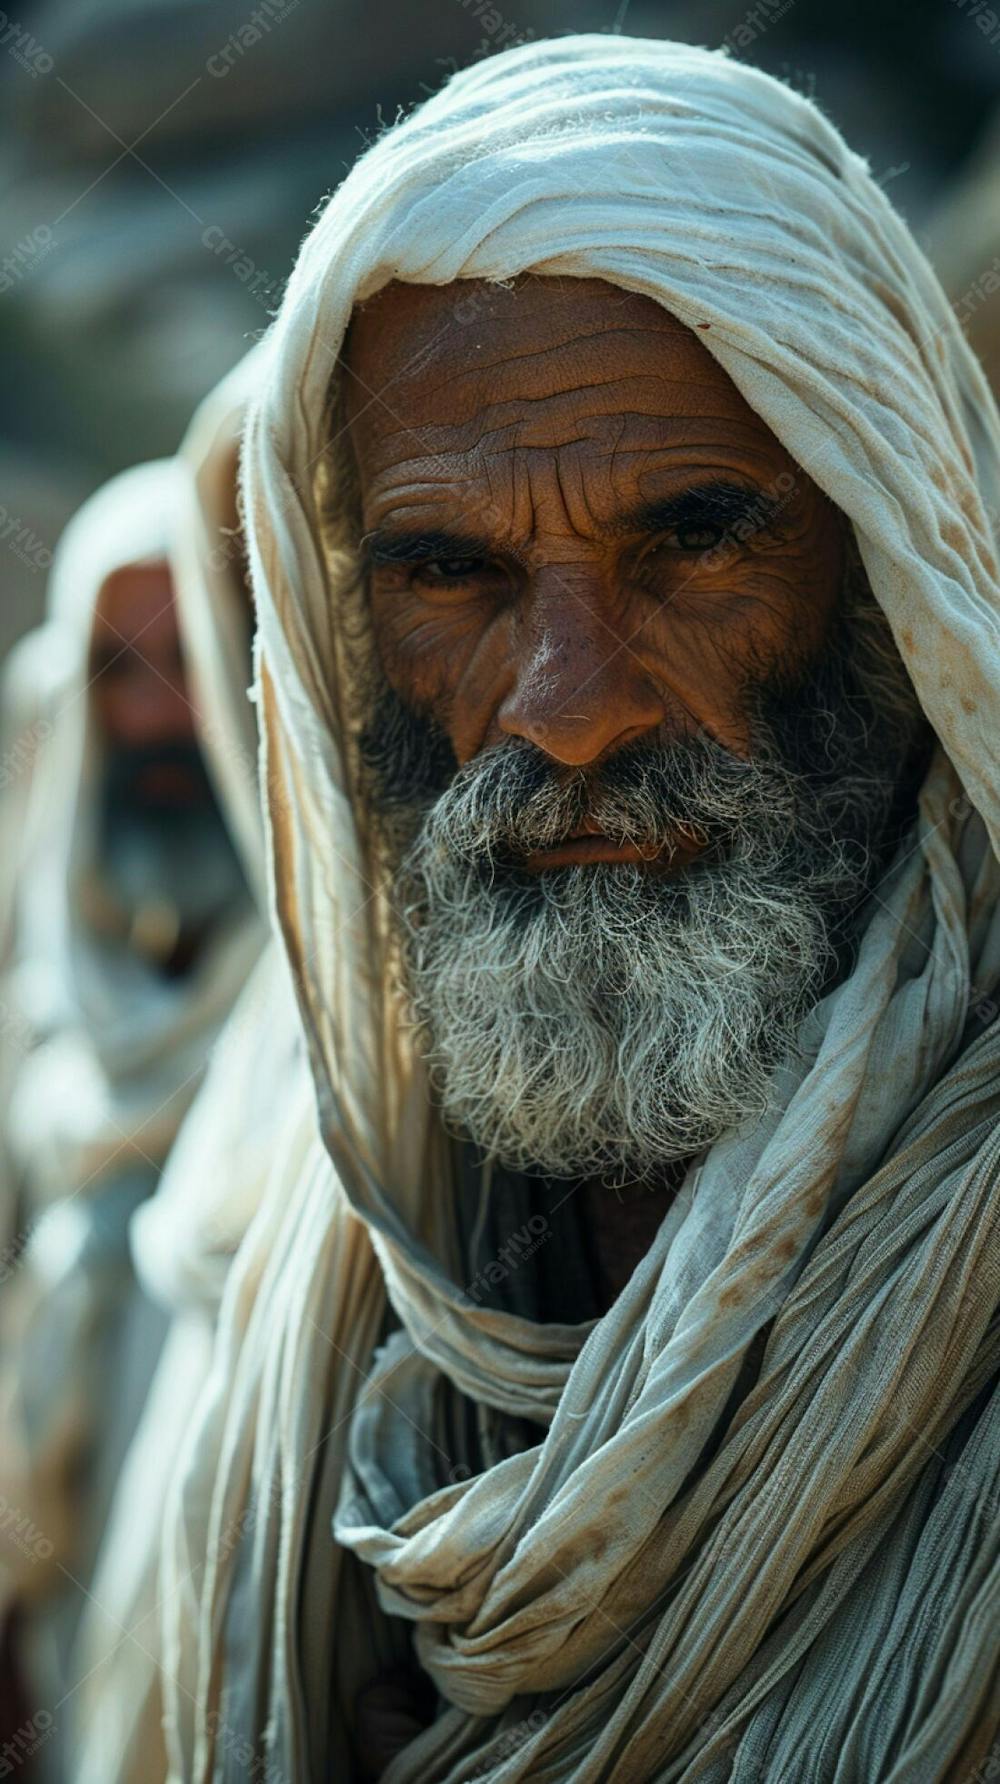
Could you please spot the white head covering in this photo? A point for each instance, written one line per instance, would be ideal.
(692, 1576)
(214, 605)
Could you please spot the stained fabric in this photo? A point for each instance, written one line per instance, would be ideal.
(698, 1571)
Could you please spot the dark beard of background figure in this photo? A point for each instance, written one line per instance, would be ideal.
(176, 854)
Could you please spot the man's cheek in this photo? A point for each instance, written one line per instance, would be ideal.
(423, 653)
(701, 666)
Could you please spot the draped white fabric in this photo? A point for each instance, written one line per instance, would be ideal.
(214, 606)
(184, 1238)
(684, 1579)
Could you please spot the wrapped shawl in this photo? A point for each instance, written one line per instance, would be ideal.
(694, 1573)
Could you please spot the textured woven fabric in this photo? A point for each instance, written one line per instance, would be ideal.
(685, 1578)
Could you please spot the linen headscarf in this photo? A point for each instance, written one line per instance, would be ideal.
(696, 1574)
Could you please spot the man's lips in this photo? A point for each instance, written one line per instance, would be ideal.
(587, 845)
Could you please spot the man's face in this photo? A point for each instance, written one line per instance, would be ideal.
(541, 488)
(161, 841)
(600, 586)
(138, 681)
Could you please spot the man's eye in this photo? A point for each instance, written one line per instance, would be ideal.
(690, 537)
(697, 538)
(448, 569)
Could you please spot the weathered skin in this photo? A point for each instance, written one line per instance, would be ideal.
(524, 428)
(515, 436)
(547, 605)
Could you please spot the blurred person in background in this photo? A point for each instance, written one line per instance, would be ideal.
(256, 1100)
(133, 932)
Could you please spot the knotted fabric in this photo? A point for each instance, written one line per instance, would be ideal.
(684, 1577)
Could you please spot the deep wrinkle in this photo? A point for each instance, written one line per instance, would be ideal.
(583, 538)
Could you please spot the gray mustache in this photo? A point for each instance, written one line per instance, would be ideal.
(513, 799)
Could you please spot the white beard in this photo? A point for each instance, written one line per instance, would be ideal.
(607, 1019)
(602, 1018)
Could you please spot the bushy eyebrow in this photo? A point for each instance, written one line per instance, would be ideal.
(717, 503)
(391, 545)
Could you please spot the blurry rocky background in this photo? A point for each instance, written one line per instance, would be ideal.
(162, 159)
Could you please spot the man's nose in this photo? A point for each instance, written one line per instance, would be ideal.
(579, 691)
(164, 713)
(144, 708)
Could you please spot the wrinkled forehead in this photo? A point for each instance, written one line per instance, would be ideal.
(135, 602)
(413, 325)
(524, 340)
(480, 378)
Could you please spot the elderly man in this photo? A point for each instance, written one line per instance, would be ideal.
(133, 932)
(615, 1398)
